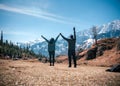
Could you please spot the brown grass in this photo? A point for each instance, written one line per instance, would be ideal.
(110, 57)
(34, 73)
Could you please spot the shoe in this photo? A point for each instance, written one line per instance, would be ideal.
(75, 66)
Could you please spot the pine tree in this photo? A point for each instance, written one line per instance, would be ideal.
(1, 40)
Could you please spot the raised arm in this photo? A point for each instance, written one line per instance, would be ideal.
(44, 38)
(63, 37)
(57, 37)
(74, 33)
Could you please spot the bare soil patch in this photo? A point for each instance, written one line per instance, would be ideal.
(34, 73)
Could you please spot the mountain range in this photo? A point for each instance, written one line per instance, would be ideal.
(84, 39)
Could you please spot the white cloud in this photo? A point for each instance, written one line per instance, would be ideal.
(37, 13)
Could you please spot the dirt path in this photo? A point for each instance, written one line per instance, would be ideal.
(34, 73)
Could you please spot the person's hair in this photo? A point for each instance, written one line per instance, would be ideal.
(71, 36)
(51, 40)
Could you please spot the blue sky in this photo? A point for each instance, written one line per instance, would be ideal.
(27, 20)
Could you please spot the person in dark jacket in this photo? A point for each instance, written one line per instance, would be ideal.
(51, 48)
(71, 48)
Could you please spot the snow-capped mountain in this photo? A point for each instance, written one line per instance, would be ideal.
(114, 25)
(109, 30)
(84, 39)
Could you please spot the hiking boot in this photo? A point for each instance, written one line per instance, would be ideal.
(75, 66)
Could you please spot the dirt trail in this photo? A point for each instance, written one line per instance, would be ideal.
(34, 73)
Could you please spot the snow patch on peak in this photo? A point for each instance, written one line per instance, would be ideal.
(114, 25)
(88, 43)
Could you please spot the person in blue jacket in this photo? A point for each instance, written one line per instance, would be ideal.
(71, 47)
(51, 48)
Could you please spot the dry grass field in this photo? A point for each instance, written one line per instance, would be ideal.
(34, 73)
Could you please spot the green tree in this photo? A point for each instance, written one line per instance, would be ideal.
(1, 40)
